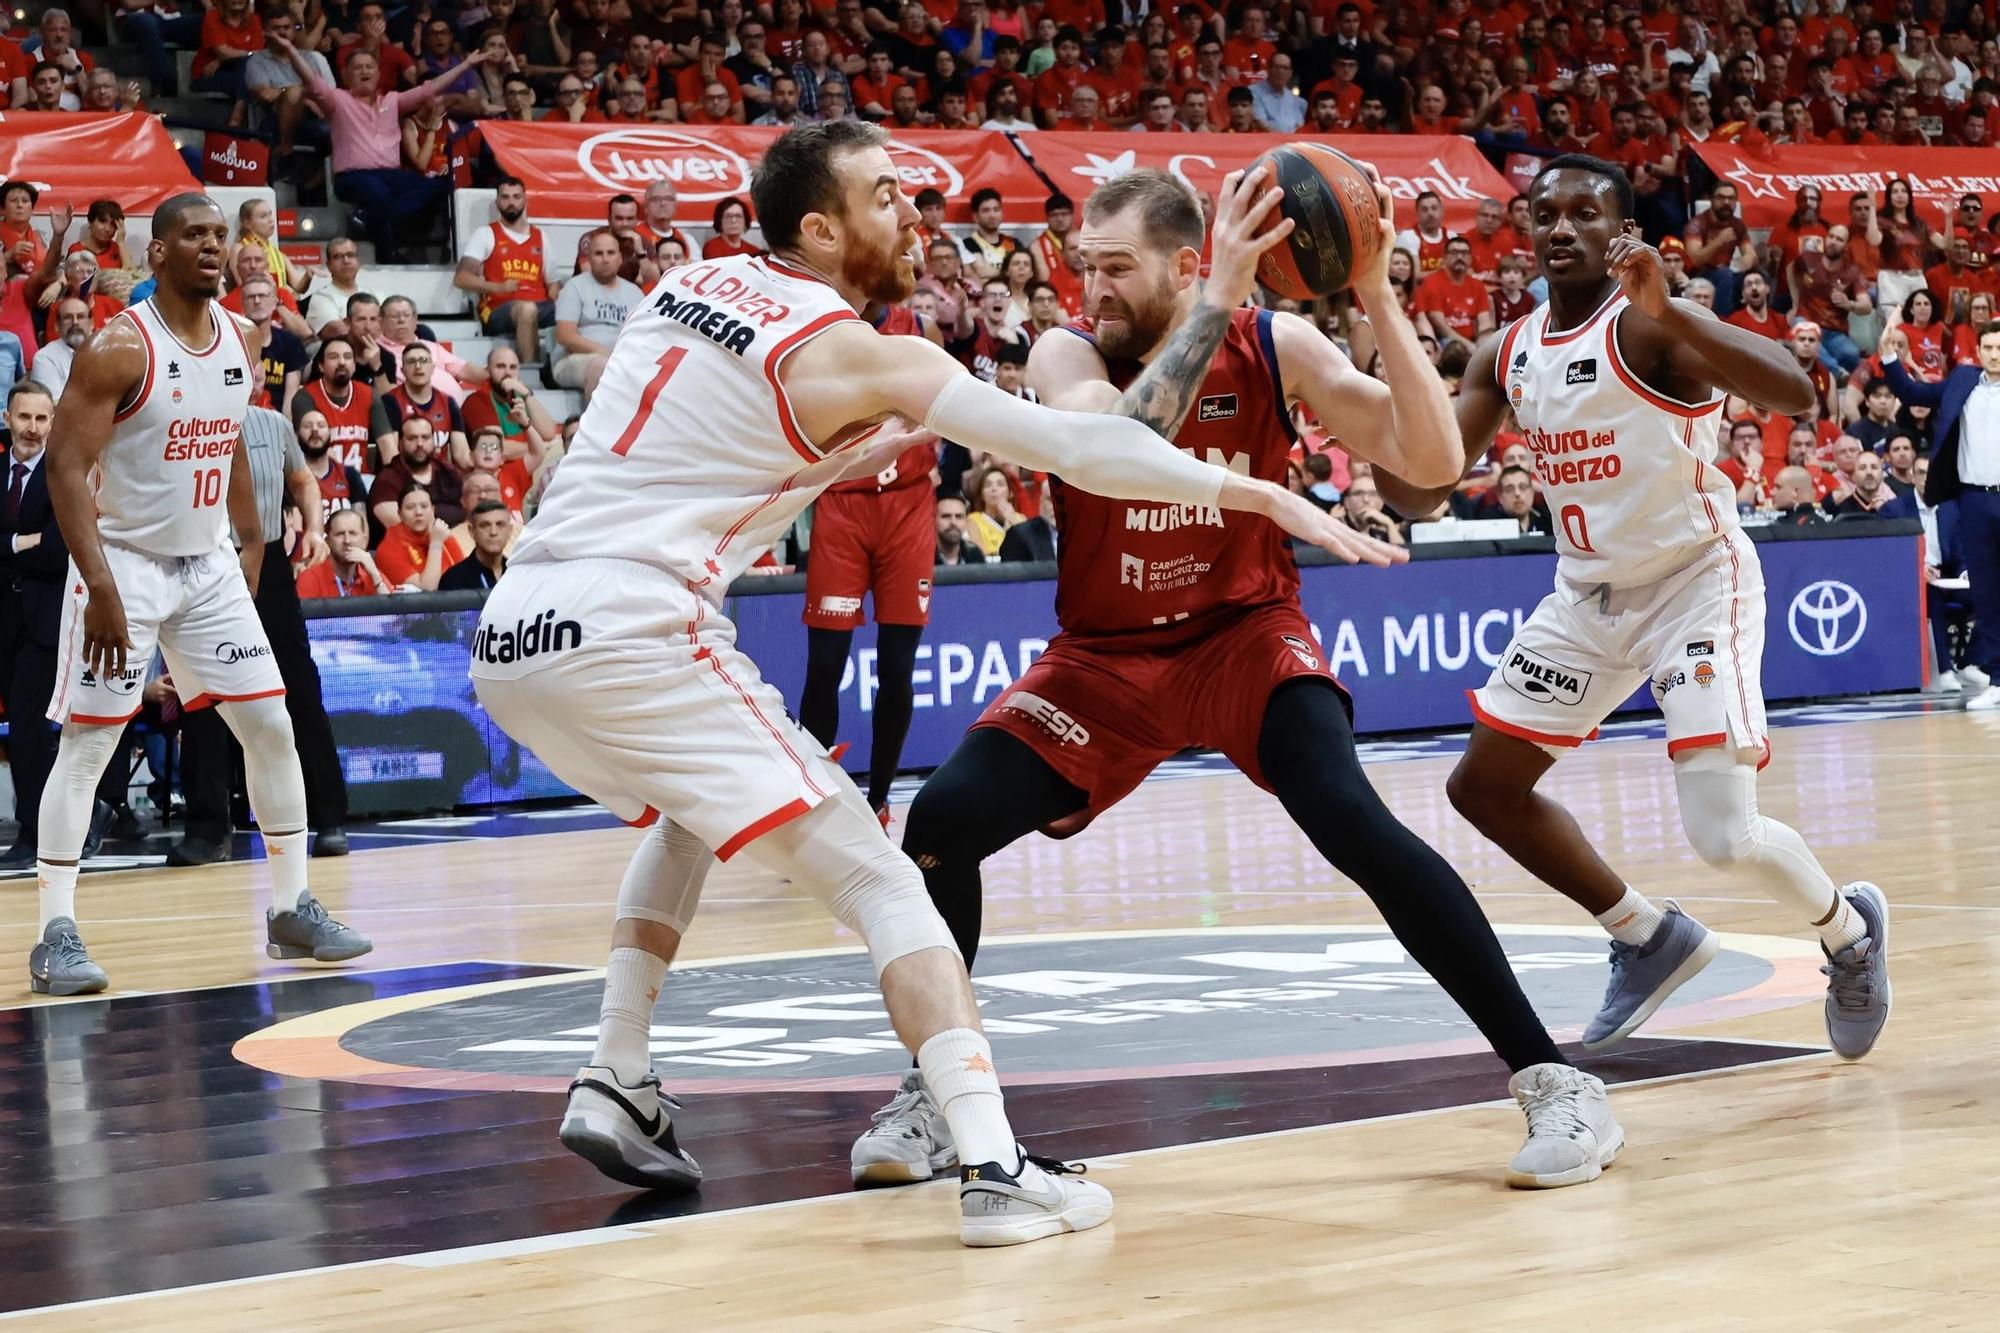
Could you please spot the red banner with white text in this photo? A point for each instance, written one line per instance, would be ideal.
(74, 158)
(1768, 182)
(571, 170)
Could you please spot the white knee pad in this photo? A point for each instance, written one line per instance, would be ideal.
(838, 853)
(663, 882)
(883, 901)
(70, 794)
(270, 762)
(1718, 797)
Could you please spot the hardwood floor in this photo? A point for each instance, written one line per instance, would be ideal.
(1798, 1193)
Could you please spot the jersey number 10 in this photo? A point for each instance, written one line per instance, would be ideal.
(208, 488)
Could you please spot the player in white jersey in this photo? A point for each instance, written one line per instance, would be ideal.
(155, 406)
(737, 392)
(1619, 390)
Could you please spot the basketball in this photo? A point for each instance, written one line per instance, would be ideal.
(1331, 199)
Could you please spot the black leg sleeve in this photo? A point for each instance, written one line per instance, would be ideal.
(895, 701)
(205, 774)
(285, 626)
(819, 700)
(992, 791)
(1306, 750)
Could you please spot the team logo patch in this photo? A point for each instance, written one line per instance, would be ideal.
(1581, 372)
(840, 606)
(233, 375)
(923, 595)
(118, 682)
(1704, 648)
(173, 370)
(177, 396)
(1302, 650)
(1543, 679)
(1516, 394)
(1216, 407)
(1520, 360)
(1132, 570)
(1704, 675)
(1059, 724)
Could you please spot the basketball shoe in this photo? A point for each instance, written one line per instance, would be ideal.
(309, 932)
(1572, 1135)
(908, 1142)
(627, 1132)
(1857, 987)
(1034, 1201)
(1644, 975)
(60, 965)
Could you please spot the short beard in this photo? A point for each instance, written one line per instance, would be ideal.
(1142, 329)
(511, 218)
(878, 277)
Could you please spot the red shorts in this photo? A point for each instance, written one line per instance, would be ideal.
(879, 541)
(1104, 719)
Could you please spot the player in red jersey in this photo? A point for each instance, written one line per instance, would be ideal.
(873, 535)
(1181, 626)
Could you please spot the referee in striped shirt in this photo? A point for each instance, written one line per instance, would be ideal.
(210, 758)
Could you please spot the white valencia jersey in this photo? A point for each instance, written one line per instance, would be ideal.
(1629, 474)
(689, 457)
(164, 479)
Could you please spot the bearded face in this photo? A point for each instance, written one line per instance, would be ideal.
(1135, 314)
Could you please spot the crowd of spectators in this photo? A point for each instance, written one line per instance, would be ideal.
(419, 444)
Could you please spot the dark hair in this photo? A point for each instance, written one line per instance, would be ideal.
(1621, 184)
(327, 343)
(1011, 354)
(1037, 286)
(981, 195)
(505, 181)
(1059, 200)
(361, 298)
(1067, 33)
(1937, 306)
(1242, 96)
(102, 209)
(1168, 210)
(722, 207)
(167, 217)
(929, 197)
(1987, 330)
(424, 491)
(1511, 469)
(489, 507)
(797, 177)
(26, 387)
(618, 199)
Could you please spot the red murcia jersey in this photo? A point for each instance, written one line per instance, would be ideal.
(1164, 570)
(915, 464)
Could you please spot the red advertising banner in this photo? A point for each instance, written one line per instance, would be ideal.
(571, 170)
(1768, 182)
(127, 156)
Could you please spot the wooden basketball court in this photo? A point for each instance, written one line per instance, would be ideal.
(1776, 1188)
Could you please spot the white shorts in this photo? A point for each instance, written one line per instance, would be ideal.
(630, 687)
(196, 609)
(1697, 635)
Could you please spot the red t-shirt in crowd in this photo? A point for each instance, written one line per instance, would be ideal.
(1460, 301)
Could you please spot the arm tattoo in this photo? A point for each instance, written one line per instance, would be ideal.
(1165, 390)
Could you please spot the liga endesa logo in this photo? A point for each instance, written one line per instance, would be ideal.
(626, 161)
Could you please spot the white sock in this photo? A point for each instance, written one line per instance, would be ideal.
(1633, 919)
(958, 1069)
(632, 982)
(285, 853)
(55, 893)
(1843, 925)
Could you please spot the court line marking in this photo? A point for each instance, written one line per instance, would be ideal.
(528, 1246)
(296, 976)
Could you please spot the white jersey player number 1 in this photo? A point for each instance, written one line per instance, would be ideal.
(690, 458)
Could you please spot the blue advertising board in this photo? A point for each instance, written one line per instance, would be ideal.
(1844, 616)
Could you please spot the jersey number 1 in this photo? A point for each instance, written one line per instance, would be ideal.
(208, 488)
(669, 362)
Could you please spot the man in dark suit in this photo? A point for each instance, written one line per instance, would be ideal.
(33, 564)
(1946, 607)
(1965, 467)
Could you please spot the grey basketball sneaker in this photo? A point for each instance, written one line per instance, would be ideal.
(1643, 976)
(908, 1142)
(1572, 1135)
(310, 933)
(1857, 987)
(627, 1132)
(60, 965)
(1035, 1200)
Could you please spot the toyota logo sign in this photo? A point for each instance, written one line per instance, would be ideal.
(1827, 618)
